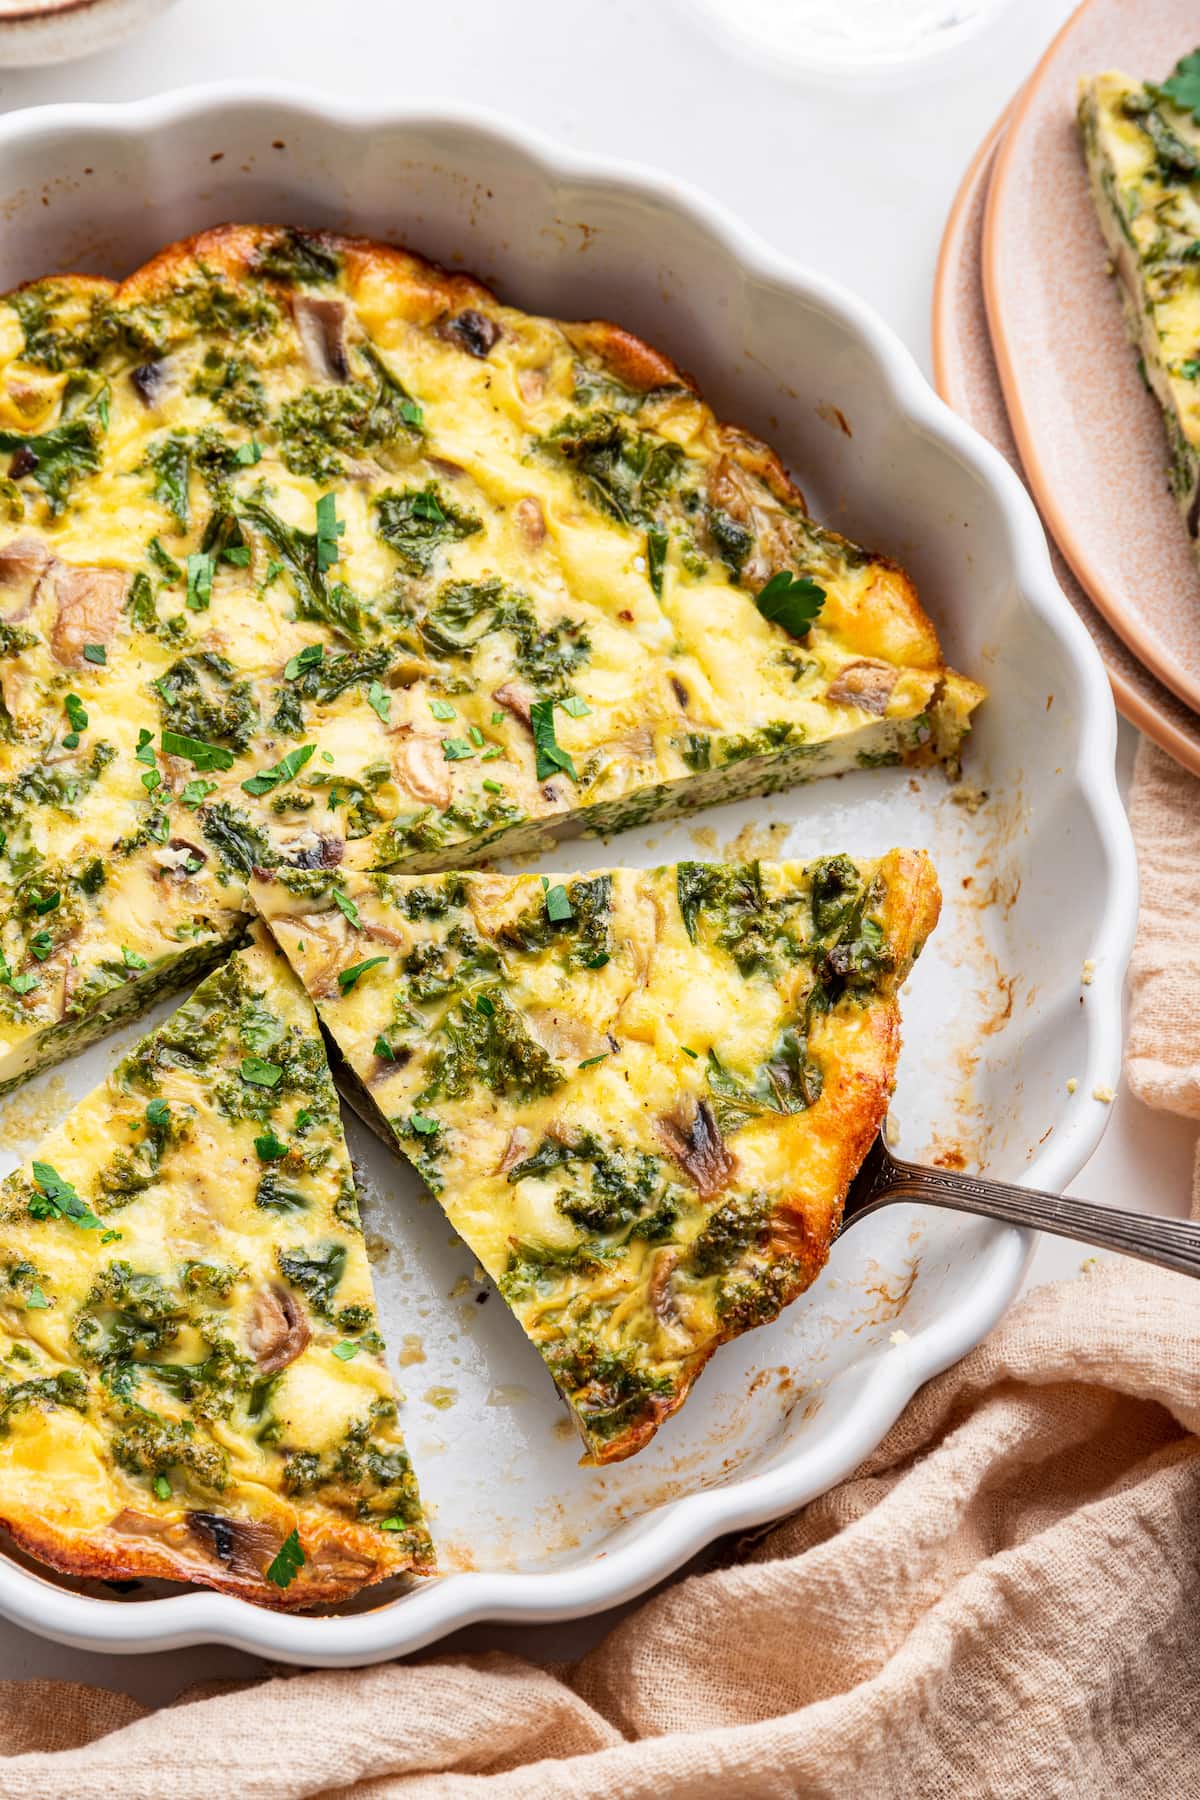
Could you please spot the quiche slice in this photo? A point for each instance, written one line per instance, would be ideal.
(314, 555)
(1142, 144)
(192, 1381)
(639, 1095)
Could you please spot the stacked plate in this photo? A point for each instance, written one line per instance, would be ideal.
(1030, 348)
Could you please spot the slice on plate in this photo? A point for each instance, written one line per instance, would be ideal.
(192, 1382)
(1142, 144)
(312, 553)
(640, 1095)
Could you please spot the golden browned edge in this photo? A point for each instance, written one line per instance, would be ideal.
(150, 1562)
(853, 1106)
(433, 293)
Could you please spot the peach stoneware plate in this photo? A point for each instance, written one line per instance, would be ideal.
(964, 370)
(1089, 436)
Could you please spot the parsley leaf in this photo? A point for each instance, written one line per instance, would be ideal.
(656, 559)
(384, 1049)
(380, 701)
(202, 756)
(329, 529)
(35, 1300)
(792, 601)
(558, 904)
(348, 977)
(287, 1562)
(76, 712)
(95, 653)
(1182, 89)
(441, 709)
(550, 755)
(424, 1126)
(347, 906)
(456, 749)
(308, 658)
(58, 1199)
(199, 580)
(270, 1147)
(284, 770)
(132, 960)
(345, 1351)
(260, 1073)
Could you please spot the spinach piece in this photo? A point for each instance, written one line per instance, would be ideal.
(300, 552)
(416, 522)
(550, 755)
(630, 473)
(315, 1272)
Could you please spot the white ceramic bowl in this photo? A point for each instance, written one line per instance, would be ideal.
(1037, 880)
(36, 32)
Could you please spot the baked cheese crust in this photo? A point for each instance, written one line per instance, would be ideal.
(639, 1095)
(314, 555)
(192, 1382)
(1143, 156)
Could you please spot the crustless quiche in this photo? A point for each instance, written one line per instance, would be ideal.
(1142, 144)
(639, 1095)
(191, 1374)
(313, 556)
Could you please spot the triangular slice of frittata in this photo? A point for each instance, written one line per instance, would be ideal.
(192, 1383)
(639, 1094)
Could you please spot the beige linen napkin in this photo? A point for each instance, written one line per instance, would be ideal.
(1003, 1600)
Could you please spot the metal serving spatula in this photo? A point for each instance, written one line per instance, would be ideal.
(883, 1178)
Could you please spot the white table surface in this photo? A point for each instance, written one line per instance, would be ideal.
(854, 181)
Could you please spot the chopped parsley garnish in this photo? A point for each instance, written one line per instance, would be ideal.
(40, 945)
(35, 1300)
(202, 756)
(550, 755)
(195, 791)
(270, 1147)
(163, 561)
(23, 984)
(591, 1061)
(345, 1351)
(287, 767)
(423, 1125)
(380, 701)
(158, 1113)
(199, 580)
(42, 904)
(578, 709)
(1182, 88)
(132, 960)
(260, 1073)
(656, 559)
(384, 1049)
(485, 1006)
(95, 653)
(58, 1199)
(441, 709)
(493, 787)
(348, 907)
(689, 1052)
(162, 1487)
(558, 905)
(348, 977)
(287, 1562)
(456, 749)
(308, 658)
(246, 455)
(329, 529)
(792, 601)
(76, 712)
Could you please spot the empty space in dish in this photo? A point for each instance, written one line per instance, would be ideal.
(997, 1018)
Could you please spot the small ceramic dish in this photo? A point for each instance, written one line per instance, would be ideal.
(36, 32)
(1090, 437)
(1034, 852)
(964, 370)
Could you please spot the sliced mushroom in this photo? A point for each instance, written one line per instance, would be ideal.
(148, 380)
(23, 562)
(245, 1546)
(566, 1036)
(692, 1137)
(735, 492)
(131, 1523)
(322, 327)
(532, 385)
(514, 1151)
(311, 849)
(662, 1297)
(472, 331)
(865, 684)
(517, 699)
(530, 521)
(277, 1330)
(420, 768)
(89, 605)
(330, 945)
(179, 858)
